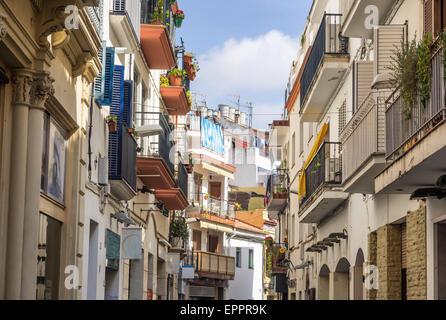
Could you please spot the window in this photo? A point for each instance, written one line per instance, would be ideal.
(213, 244)
(196, 242)
(251, 259)
(238, 258)
(53, 160)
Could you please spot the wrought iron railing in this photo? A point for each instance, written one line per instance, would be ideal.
(278, 185)
(148, 8)
(364, 135)
(162, 145)
(328, 41)
(217, 207)
(324, 169)
(183, 179)
(402, 131)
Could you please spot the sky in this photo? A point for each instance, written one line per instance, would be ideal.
(246, 48)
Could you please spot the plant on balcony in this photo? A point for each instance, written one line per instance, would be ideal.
(238, 206)
(189, 98)
(175, 77)
(112, 122)
(138, 149)
(278, 255)
(158, 13)
(188, 58)
(164, 81)
(207, 196)
(269, 241)
(178, 18)
(424, 69)
(178, 230)
(302, 40)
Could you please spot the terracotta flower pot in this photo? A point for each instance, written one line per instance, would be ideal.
(113, 127)
(187, 59)
(157, 22)
(131, 130)
(175, 81)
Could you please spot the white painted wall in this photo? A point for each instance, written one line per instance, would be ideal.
(248, 283)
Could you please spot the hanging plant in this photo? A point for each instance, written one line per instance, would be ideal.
(164, 81)
(404, 74)
(424, 69)
(178, 18)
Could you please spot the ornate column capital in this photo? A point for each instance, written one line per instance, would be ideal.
(41, 90)
(22, 82)
(3, 31)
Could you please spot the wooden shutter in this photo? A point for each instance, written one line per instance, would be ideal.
(104, 96)
(215, 191)
(385, 39)
(404, 246)
(428, 17)
(115, 138)
(362, 82)
(127, 105)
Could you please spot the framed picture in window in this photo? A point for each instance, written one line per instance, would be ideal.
(56, 163)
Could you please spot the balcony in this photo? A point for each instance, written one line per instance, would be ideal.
(324, 173)
(327, 62)
(175, 198)
(219, 209)
(415, 146)
(279, 133)
(277, 193)
(363, 145)
(125, 25)
(122, 164)
(156, 170)
(158, 37)
(214, 266)
(354, 12)
(176, 101)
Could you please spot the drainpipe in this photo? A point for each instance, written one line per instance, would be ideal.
(90, 129)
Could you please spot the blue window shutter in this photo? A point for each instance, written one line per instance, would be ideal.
(105, 96)
(127, 111)
(116, 108)
(98, 82)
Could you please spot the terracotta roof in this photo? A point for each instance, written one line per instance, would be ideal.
(244, 226)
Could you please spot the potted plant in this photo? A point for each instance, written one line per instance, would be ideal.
(188, 58)
(189, 98)
(158, 13)
(269, 241)
(175, 77)
(131, 130)
(206, 196)
(112, 122)
(138, 149)
(178, 18)
(178, 231)
(164, 81)
(238, 207)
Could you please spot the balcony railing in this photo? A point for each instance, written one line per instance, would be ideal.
(328, 41)
(278, 184)
(324, 169)
(364, 135)
(122, 157)
(183, 179)
(213, 263)
(216, 207)
(147, 14)
(403, 133)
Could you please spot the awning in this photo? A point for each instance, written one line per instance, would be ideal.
(211, 226)
(317, 145)
(217, 170)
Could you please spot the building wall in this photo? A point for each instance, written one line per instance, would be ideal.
(248, 283)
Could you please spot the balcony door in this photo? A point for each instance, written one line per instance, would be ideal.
(434, 16)
(215, 190)
(213, 245)
(196, 240)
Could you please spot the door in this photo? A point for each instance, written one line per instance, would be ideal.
(213, 244)
(215, 190)
(196, 240)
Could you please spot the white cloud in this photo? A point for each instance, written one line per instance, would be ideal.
(256, 64)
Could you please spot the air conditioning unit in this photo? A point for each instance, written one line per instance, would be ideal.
(103, 171)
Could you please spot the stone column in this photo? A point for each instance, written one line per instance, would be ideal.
(389, 262)
(416, 255)
(22, 84)
(42, 89)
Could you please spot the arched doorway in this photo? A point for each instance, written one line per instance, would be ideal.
(324, 283)
(341, 285)
(358, 271)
